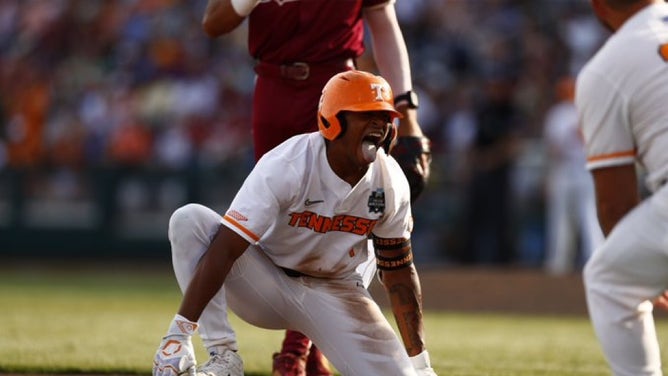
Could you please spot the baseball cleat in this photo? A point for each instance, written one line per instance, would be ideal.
(288, 364)
(228, 363)
(317, 364)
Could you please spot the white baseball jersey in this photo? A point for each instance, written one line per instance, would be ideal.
(306, 218)
(621, 95)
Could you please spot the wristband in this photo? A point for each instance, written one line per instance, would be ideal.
(421, 360)
(243, 7)
(182, 326)
(408, 99)
(394, 263)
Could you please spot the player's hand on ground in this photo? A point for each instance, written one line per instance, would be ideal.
(413, 153)
(422, 364)
(175, 355)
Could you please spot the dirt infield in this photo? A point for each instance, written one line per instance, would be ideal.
(511, 290)
(502, 290)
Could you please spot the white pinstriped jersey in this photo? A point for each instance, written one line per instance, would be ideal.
(308, 219)
(622, 94)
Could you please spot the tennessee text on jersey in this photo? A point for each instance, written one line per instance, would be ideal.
(323, 224)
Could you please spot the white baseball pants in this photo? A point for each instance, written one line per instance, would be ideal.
(628, 270)
(338, 315)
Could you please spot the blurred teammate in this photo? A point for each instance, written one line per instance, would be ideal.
(571, 206)
(288, 246)
(621, 95)
(299, 45)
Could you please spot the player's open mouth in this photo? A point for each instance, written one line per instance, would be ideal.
(373, 138)
(370, 144)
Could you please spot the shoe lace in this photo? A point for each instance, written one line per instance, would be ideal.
(221, 364)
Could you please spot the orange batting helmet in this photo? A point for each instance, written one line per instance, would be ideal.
(356, 91)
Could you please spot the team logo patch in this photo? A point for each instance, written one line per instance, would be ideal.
(377, 201)
(380, 90)
(186, 327)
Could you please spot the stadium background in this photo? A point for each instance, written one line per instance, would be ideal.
(114, 113)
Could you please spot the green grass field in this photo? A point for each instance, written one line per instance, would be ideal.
(111, 321)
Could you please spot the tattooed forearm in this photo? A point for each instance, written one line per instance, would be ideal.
(404, 294)
(394, 258)
(413, 338)
(403, 288)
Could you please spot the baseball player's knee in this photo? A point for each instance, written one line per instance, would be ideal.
(195, 215)
(191, 224)
(180, 217)
(178, 224)
(591, 272)
(600, 278)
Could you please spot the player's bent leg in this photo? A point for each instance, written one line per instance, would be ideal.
(350, 329)
(298, 355)
(626, 337)
(620, 278)
(263, 295)
(191, 229)
(338, 315)
(260, 293)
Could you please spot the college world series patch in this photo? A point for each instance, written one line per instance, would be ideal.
(377, 201)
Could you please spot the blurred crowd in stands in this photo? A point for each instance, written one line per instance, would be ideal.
(88, 84)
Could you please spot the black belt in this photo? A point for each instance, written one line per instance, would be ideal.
(300, 71)
(293, 273)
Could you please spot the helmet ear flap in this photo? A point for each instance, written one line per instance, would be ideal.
(331, 128)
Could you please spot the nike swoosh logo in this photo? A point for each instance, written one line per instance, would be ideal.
(309, 202)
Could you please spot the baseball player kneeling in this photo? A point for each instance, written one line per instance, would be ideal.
(284, 255)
